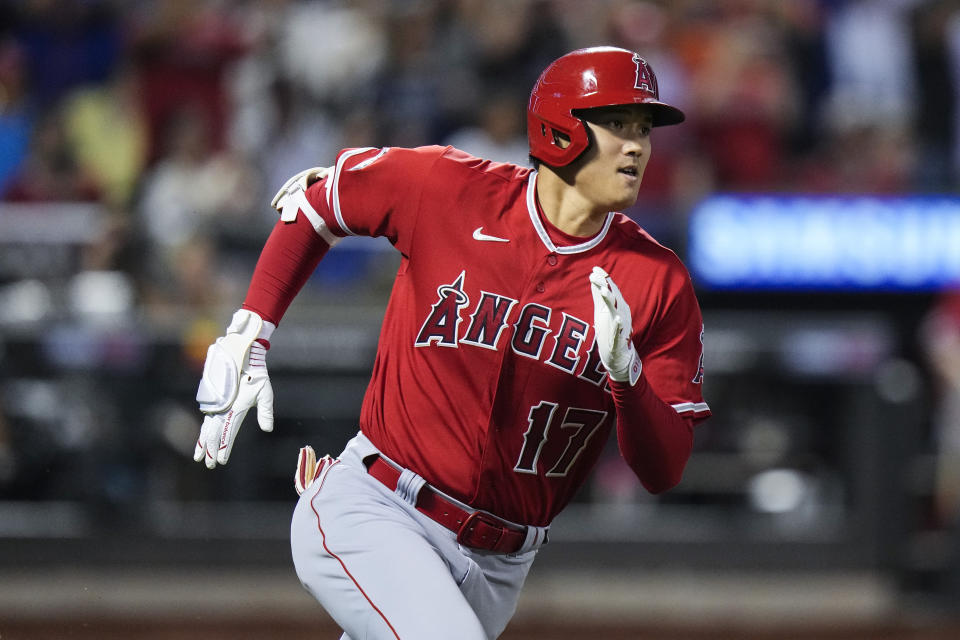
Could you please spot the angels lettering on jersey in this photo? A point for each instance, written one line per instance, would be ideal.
(488, 320)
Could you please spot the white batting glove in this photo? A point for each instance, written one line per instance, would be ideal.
(614, 327)
(306, 469)
(310, 468)
(296, 184)
(234, 380)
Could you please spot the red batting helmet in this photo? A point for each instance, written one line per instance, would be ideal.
(582, 79)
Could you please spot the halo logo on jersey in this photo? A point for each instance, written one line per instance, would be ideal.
(442, 324)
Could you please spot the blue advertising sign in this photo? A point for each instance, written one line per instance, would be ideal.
(825, 242)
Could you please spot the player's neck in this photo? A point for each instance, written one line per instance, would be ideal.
(565, 207)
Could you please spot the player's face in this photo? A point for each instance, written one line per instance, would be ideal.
(611, 170)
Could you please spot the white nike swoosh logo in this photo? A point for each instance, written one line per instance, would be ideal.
(478, 234)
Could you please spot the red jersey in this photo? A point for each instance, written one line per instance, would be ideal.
(487, 381)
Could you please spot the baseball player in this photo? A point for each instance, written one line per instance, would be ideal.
(527, 321)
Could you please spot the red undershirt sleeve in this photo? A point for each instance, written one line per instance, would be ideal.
(291, 254)
(653, 438)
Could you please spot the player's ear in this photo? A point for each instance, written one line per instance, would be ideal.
(560, 139)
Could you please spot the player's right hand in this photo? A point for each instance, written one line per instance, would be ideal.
(234, 380)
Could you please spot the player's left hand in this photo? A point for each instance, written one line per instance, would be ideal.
(614, 326)
(234, 381)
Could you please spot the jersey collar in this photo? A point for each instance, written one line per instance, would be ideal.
(542, 232)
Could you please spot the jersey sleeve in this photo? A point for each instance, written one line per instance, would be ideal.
(673, 355)
(375, 192)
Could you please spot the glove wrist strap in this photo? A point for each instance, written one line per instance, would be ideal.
(266, 331)
(631, 373)
(636, 366)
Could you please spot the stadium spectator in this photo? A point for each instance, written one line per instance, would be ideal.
(16, 119)
(51, 172)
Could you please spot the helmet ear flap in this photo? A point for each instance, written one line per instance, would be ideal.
(579, 141)
(559, 140)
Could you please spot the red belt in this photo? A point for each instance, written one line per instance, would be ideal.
(476, 529)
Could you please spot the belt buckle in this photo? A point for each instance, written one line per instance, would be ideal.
(480, 531)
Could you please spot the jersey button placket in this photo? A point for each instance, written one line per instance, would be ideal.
(552, 261)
